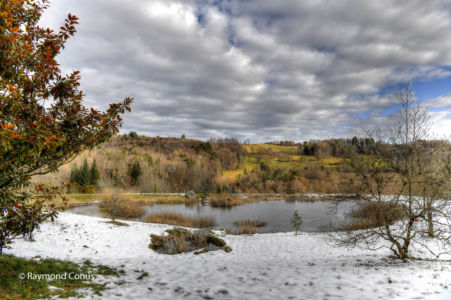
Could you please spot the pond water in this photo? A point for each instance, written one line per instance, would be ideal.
(317, 216)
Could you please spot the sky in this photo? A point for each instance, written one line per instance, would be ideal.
(261, 70)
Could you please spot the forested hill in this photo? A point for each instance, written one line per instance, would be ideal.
(155, 164)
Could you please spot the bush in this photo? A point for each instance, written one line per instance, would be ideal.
(371, 215)
(130, 209)
(117, 205)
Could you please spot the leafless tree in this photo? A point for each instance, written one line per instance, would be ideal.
(408, 174)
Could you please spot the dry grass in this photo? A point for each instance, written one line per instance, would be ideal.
(249, 226)
(143, 199)
(180, 220)
(226, 200)
(251, 223)
(130, 209)
(371, 215)
(247, 229)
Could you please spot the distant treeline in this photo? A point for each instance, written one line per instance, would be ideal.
(156, 164)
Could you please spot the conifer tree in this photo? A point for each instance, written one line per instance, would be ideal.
(95, 174)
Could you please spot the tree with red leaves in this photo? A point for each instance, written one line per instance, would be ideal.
(43, 122)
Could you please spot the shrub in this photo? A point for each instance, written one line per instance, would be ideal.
(296, 221)
(130, 209)
(117, 205)
(371, 215)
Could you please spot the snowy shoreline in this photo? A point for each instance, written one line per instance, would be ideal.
(262, 266)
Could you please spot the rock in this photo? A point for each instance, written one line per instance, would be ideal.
(201, 251)
(190, 194)
(202, 233)
(214, 240)
(227, 249)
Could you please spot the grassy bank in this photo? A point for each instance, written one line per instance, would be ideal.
(144, 199)
(25, 279)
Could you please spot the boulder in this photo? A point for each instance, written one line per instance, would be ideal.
(190, 194)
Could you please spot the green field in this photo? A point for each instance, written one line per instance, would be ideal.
(281, 157)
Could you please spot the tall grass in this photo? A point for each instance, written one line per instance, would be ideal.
(180, 220)
(247, 229)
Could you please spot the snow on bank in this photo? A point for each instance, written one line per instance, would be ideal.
(262, 266)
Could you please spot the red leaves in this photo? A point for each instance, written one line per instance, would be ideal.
(7, 126)
(33, 134)
(12, 89)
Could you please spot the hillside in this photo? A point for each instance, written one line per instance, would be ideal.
(155, 164)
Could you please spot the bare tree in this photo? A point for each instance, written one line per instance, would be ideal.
(403, 176)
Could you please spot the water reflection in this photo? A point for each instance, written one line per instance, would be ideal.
(317, 216)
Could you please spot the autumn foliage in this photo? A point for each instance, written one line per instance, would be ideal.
(43, 122)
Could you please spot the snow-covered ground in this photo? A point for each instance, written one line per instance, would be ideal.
(262, 266)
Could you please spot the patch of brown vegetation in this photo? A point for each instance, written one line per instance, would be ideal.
(247, 230)
(120, 205)
(371, 215)
(180, 220)
(250, 223)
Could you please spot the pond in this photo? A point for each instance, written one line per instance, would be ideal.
(317, 216)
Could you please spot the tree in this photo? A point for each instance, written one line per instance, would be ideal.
(94, 173)
(296, 222)
(133, 135)
(400, 176)
(84, 174)
(134, 171)
(43, 122)
(74, 174)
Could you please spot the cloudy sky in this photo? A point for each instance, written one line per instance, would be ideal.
(262, 70)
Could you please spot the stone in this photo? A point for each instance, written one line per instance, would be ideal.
(190, 194)
(227, 249)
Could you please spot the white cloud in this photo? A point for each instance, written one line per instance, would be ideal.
(254, 69)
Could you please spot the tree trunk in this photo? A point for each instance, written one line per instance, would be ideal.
(430, 221)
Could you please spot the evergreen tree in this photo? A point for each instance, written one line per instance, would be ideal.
(95, 174)
(74, 174)
(84, 174)
(134, 172)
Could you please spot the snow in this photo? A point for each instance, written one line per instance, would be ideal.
(261, 266)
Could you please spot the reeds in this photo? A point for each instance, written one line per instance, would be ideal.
(180, 220)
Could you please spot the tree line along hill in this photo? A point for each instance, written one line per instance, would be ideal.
(168, 165)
